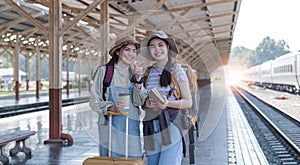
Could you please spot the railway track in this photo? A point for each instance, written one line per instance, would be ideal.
(34, 107)
(277, 133)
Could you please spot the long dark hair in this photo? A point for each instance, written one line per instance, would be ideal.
(114, 58)
(165, 78)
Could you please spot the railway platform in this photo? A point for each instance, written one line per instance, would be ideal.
(30, 98)
(225, 137)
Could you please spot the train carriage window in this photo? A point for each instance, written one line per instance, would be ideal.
(266, 71)
(280, 69)
(285, 69)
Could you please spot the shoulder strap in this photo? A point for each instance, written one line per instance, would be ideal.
(109, 71)
(174, 83)
(146, 75)
(191, 77)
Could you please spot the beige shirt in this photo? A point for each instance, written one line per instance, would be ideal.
(120, 78)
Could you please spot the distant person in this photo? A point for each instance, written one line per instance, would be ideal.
(10, 84)
(1, 84)
(162, 138)
(125, 79)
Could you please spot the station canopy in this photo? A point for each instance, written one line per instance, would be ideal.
(203, 29)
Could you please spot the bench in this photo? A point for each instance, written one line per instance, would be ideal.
(19, 137)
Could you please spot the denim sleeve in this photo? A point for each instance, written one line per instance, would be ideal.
(97, 103)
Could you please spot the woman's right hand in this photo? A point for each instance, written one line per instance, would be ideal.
(150, 103)
(138, 70)
(113, 109)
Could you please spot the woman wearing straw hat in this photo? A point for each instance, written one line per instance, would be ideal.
(163, 140)
(123, 53)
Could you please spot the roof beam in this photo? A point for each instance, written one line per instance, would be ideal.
(27, 16)
(208, 34)
(80, 16)
(68, 38)
(164, 27)
(204, 28)
(4, 8)
(29, 32)
(144, 16)
(194, 6)
(8, 25)
(195, 20)
(86, 34)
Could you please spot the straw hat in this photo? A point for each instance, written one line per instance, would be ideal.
(121, 41)
(173, 51)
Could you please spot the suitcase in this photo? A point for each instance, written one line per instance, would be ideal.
(101, 160)
(108, 160)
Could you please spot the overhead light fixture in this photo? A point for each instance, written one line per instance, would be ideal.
(31, 39)
(126, 1)
(12, 37)
(64, 47)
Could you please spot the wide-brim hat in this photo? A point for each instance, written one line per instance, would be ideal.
(173, 51)
(123, 40)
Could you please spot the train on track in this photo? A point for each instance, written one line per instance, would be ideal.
(282, 73)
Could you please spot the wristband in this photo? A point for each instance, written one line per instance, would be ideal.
(133, 79)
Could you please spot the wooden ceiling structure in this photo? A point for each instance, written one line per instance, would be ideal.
(86, 29)
(203, 29)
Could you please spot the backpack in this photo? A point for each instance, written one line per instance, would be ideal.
(192, 113)
(109, 72)
(188, 117)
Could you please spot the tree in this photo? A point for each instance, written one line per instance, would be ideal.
(268, 49)
(243, 56)
(282, 48)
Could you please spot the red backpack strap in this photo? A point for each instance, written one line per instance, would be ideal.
(109, 72)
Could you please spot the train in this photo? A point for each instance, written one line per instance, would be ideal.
(282, 73)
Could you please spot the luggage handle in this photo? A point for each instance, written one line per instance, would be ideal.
(126, 114)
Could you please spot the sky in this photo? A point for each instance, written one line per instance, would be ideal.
(278, 19)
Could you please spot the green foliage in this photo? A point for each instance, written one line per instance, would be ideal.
(7, 62)
(6, 58)
(243, 57)
(266, 50)
(6, 92)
